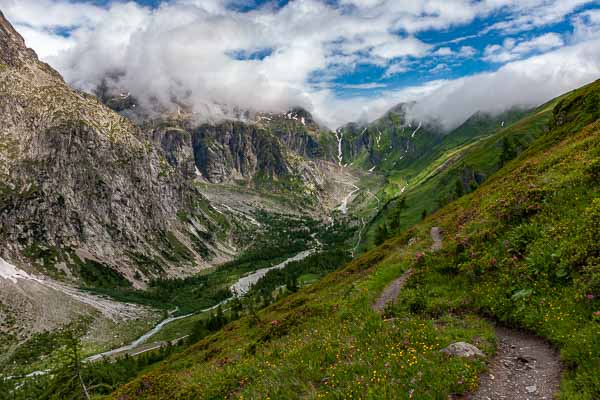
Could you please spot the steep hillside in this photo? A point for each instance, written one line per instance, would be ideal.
(458, 164)
(79, 178)
(86, 199)
(521, 249)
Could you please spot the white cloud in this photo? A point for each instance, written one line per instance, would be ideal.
(586, 25)
(398, 47)
(439, 68)
(365, 86)
(463, 52)
(467, 52)
(48, 43)
(512, 50)
(394, 69)
(182, 50)
(530, 14)
(526, 82)
(443, 51)
(335, 111)
(50, 13)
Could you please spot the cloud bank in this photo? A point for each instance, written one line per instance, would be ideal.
(211, 55)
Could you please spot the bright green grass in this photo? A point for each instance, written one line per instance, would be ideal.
(435, 175)
(307, 279)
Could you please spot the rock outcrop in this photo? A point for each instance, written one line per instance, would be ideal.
(462, 349)
(79, 182)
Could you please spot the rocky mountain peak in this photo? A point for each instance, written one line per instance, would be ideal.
(13, 51)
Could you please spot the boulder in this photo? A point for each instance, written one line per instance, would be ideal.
(462, 349)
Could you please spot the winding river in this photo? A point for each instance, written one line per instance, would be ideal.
(240, 288)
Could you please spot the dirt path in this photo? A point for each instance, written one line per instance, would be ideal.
(391, 292)
(525, 367)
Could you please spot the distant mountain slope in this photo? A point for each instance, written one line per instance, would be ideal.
(287, 154)
(521, 248)
(387, 142)
(457, 164)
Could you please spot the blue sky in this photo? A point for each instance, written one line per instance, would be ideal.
(343, 59)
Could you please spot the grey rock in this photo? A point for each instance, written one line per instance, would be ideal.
(78, 178)
(462, 349)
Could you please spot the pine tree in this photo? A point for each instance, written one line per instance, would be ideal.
(459, 189)
(381, 234)
(67, 382)
(508, 151)
(396, 216)
(292, 284)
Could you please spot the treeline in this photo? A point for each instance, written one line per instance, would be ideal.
(286, 236)
(187, 294)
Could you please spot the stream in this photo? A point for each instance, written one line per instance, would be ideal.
(344, 206)
(238, 289)
(243, 285)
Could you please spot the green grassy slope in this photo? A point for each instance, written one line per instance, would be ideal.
(521, 249)
(468, 155)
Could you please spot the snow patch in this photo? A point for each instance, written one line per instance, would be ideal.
(12, 273)
(111, 309)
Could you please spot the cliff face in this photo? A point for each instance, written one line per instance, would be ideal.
(287, 154)
(78, 179)
(234, 150)
(388, 141)
(13, 51)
